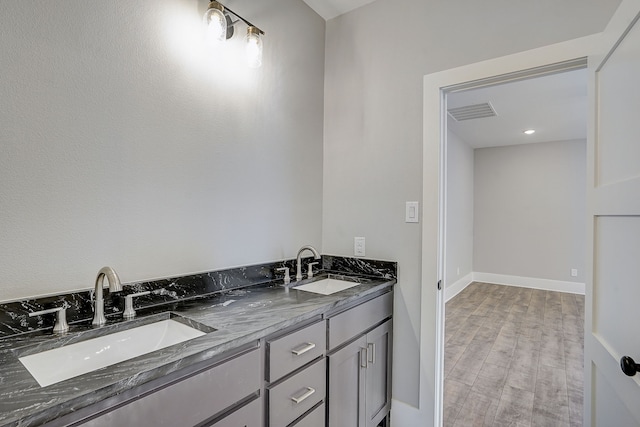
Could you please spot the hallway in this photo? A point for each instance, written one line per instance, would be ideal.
(513, 357)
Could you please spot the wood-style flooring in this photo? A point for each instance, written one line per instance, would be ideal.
(513, 357)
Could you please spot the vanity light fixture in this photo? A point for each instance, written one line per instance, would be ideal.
(220, 27)
(529, 131)
(254, 47)
(215, 22)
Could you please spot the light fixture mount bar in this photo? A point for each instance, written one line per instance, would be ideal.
(249, 24)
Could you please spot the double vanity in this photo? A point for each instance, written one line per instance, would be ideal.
(254, 353)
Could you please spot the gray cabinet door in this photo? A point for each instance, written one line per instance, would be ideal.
(360, 380)
(378, 374)
(346, 385)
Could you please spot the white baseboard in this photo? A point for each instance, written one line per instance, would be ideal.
(530, 282)
(455, 288)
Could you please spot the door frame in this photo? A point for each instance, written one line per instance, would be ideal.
(525, 64)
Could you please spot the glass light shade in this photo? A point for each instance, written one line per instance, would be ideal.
(254, 47)
(215, 22)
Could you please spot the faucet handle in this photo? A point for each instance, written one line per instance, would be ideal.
(129, 312)
(310, 271)
(287, 278)
(61, 326)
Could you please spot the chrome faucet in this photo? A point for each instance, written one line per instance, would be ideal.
(316, 255)
(114, 286)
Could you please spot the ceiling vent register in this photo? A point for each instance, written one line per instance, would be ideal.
(475, 111)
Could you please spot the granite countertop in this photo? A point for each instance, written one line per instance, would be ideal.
(240, 316)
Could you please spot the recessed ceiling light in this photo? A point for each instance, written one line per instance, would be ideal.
(530, 131)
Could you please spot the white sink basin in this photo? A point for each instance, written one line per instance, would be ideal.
(52, 366)
(327, 286)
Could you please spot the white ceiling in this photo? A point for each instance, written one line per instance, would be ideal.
(329, 9)
(555, 106)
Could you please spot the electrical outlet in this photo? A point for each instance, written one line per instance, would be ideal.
(358, 246)
(574, 272)
(458, 271)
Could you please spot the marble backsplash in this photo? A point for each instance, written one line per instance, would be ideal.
(14, 317)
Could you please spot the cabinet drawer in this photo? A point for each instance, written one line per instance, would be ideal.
(190, 401)
(249, 415)
(296, 395)
(357, 320)
(313, 419)
(290, 352)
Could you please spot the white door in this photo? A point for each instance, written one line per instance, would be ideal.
(613, 295)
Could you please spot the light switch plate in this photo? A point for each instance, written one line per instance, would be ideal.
(412, 212)
(358, 246)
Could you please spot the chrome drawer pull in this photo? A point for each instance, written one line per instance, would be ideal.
(304, 396)
(308, 346)
(371, 349)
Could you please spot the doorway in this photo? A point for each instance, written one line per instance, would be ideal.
(599, 48)
(515, 209)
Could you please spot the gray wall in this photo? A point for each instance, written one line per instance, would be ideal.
(376, 57)
(529, 210)
(126, 143)
(459, 222)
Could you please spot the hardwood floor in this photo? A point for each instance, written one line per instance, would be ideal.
(513, 357)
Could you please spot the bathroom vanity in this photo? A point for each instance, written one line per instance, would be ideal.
(270, 356)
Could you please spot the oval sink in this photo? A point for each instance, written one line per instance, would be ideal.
(52, 366)
(327, 286)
